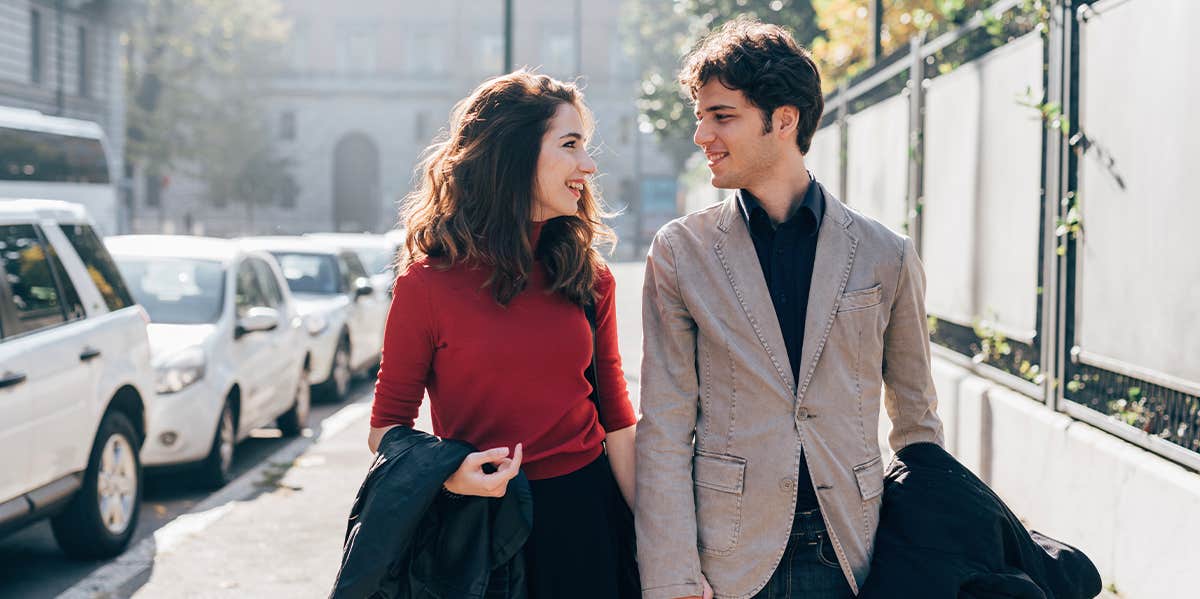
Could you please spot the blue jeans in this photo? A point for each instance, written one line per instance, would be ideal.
(809, 569)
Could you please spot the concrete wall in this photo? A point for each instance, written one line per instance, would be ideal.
(1133, 513)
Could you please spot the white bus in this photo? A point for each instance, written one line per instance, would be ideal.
(54, 158)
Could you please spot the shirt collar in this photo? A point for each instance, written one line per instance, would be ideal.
(812, 202)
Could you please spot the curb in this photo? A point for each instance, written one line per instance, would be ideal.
(114, 578)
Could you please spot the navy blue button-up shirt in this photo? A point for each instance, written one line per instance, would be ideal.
(786, 254)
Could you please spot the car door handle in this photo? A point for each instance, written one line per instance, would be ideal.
(88, 353)
(12, 379)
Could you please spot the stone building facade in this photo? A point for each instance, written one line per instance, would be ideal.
(369, 84)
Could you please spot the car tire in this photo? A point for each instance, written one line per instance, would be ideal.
(293, 421)
(100, 519)
(217, 468)
(336, 388)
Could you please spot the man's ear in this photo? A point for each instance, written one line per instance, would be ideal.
(787, 119)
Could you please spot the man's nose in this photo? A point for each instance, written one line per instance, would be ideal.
(703, 135)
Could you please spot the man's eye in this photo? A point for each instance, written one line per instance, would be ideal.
(721, 117)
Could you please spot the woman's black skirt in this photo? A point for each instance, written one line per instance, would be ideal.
(581, 544)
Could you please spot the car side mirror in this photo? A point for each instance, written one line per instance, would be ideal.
(363, 287)
(256, 319)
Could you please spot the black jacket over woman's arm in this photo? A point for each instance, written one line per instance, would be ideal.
(406, 539)
(943, 534)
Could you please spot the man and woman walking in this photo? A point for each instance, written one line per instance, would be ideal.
(771, 322)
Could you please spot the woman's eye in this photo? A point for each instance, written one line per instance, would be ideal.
(569, 144)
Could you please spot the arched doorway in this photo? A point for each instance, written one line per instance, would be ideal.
(356, 184)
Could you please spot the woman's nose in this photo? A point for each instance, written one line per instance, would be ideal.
(587, 165)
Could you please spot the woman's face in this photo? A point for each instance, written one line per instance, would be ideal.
(563, 166)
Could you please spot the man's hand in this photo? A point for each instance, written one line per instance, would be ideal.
(470, 478)
(708, 592)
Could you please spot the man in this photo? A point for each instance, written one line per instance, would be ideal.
(772, 320)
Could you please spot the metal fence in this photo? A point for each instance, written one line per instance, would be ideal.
(1056, 229)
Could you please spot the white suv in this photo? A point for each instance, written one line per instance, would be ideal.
(76, 383)
(226, 342)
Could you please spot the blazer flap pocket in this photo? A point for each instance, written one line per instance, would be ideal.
(719, 472)
(870, 478)
(862, 298)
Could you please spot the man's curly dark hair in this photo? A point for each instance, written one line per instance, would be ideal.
(766, 64)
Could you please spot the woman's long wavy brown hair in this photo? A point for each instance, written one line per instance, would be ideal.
(475, 198)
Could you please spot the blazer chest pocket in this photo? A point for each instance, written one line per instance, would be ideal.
(720, 480)
(861, 299)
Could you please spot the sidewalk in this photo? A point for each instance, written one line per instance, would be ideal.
(277, 532)
(284, 542)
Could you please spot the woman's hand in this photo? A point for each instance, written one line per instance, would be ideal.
(471, 479)
(621, 458)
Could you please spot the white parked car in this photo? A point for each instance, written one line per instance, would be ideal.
(341, 310)
(376, 252)
(227, 344)
(76, 385)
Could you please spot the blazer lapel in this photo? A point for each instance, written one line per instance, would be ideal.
(831, 269)
(735, 251)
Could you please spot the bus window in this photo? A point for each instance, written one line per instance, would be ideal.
(39, 156)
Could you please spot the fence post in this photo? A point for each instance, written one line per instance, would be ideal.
(916, 138)
(843, 110)
(1056, 186)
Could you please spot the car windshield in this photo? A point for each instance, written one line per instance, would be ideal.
(377, 261)
(309, 273)
(176, 290)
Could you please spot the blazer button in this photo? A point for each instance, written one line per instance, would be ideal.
(787, 484)
(802, 414)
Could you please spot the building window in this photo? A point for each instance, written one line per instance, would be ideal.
(298, 46)
(84, 83)
(491, 54)
(558, 54)
(287, 125)
(153, 190)
(288, 192)
(356, 51)
(35, 46)
(421, 127)
(425, 53)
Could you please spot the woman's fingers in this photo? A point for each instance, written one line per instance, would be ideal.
(508, 470)
(471, 479)
(517, 455)
(479, 458)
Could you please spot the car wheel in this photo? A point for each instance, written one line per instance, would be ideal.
(99, 521)
(337, 387)
(216, 469)
(293, 421)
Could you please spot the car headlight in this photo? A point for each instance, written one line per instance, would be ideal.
(315, 324)
(180, 370)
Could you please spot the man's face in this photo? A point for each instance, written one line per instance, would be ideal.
(730, 131)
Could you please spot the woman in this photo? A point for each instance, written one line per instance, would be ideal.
(487, 316)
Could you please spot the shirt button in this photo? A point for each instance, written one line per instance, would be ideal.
(787, 484)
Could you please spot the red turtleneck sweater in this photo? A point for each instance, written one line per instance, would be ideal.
(502, 375)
